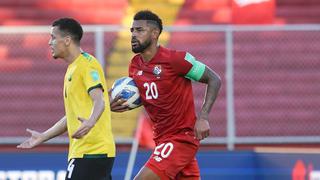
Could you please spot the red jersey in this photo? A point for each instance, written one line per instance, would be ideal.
(165, 92)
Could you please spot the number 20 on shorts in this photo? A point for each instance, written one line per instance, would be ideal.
(164, 149)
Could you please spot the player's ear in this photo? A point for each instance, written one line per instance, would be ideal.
(67, 40)
(155, 33)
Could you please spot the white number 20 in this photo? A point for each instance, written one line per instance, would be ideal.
(165, 151)
(152, 91)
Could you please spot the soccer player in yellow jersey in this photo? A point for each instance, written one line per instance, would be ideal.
(87, 108)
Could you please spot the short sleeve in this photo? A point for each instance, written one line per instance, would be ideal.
(188, 66)
(133, 66)
(179, 64)
(131, 70)
(92, 78)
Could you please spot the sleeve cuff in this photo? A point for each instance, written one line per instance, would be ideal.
(94, 87)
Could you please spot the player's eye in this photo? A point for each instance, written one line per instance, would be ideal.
(139, 30)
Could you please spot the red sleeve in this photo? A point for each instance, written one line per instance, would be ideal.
(131, 66)
(130, 70)
(179, 64)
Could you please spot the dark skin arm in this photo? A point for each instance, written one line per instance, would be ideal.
(117, 104)
(202, 127)
(213, 81)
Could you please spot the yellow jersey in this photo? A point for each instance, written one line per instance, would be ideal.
(83, 75)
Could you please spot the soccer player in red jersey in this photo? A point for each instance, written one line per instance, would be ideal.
(163, 77)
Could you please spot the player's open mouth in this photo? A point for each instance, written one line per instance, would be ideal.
(134, 43)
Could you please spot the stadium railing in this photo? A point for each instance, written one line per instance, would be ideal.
(270, 73)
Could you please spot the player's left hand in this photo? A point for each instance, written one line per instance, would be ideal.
(202, 127)
(83, 129)
(118, 105)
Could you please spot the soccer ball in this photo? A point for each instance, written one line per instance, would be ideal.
(126, 88)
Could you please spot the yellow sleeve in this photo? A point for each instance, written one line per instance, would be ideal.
(92, 78)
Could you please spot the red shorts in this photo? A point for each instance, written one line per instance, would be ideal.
(174, 157)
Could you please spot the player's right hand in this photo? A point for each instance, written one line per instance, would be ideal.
(118, 104)
(35, 139)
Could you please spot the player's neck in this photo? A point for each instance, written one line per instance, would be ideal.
(72, 55)
(149, 53)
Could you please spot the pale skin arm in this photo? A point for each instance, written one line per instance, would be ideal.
(213, 81)
(37, 138)
(98, 108)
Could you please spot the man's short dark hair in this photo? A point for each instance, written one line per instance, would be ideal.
(151, 18)
(70, 27)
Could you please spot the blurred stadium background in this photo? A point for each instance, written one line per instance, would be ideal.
(265, 122)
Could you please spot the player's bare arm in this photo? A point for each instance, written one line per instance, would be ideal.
(213, 82)
(98, 108)
(37, 138)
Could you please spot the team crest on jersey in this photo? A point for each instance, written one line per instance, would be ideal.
(139, 73)
(157, 70)
(94, 75)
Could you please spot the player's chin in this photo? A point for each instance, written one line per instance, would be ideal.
(135, 49)
(55, 56)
